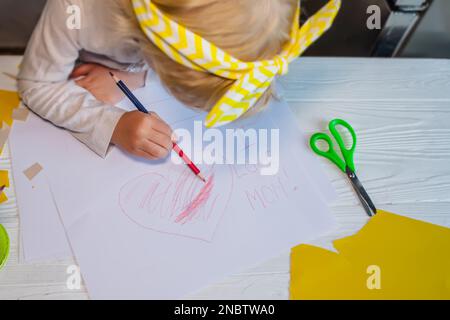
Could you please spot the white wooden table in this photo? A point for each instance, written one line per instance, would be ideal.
(401, 111)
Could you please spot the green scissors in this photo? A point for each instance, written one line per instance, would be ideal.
(347, 165)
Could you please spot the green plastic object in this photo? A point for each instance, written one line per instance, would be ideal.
(4, 246)
(331, 153)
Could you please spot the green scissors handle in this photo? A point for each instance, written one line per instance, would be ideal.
(331, 154)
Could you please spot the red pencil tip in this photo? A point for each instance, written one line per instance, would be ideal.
(201, 177)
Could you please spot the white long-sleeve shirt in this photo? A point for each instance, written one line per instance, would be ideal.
(51, 55)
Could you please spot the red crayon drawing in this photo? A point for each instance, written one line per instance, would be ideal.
(199, 201)
(175, 202)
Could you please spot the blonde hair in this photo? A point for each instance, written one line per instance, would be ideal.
(249, 30)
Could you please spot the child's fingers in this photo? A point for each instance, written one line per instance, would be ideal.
(81, 70)
(85, 83)
(154, 114)
(154, 150)
(173, 136)
(161, 139)
(161, 126)
(81, 83)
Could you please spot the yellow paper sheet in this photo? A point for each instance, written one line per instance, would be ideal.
(4, 178)
(4, 181)
(3, 197)
(9, 100)
(392, 257)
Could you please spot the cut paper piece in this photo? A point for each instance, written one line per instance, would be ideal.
(4, 134)
(33, 171)
(42, 235)
(392, 257)
(20, 114)
(9, 100)
(3, 197)
(4, 178)
(4, 183)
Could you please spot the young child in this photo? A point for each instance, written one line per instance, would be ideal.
(65, 78)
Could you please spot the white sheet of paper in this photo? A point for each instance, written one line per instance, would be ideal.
(306, 158)
(41, 230)
(62, 158)
(131, 242)
(122, 260)
(132, 245)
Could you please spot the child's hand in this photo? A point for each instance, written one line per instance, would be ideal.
(143, 135)
(97, 80)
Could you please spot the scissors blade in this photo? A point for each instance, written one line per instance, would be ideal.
(361, 193)
(363, 202)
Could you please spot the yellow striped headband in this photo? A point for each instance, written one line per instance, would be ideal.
(252, 78)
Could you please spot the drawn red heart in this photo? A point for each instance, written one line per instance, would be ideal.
(175, 201)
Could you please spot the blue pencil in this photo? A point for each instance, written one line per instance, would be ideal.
(129, 94)
(141, 108)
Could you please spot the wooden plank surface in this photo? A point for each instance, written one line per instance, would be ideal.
(401, 111)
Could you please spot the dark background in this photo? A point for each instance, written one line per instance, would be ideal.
(411, 28)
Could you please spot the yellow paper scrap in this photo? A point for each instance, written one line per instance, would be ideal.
(3, 197)
(4, 181)
(392, 257)
(4, 178)
(9, 100)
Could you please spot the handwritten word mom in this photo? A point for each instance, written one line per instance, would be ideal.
(232, 146)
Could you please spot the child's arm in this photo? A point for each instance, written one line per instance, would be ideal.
(45, 87)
